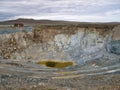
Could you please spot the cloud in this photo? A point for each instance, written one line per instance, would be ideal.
(113, 13)
(76, 10)
(81, 18)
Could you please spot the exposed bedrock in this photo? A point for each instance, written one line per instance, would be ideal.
(70, 43)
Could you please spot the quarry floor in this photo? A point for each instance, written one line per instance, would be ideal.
(17, 75)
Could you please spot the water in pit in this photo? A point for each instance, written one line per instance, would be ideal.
(56, 64)
(14, 30)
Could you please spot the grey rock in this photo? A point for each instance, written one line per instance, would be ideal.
(115, 47)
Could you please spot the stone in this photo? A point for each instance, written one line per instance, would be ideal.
(115, 47)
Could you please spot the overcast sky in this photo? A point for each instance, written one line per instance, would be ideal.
(72, 10)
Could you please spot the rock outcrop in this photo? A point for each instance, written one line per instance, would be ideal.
(62, 42)
(11, 43)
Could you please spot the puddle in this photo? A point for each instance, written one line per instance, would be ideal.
(14, 30)
(56, 64)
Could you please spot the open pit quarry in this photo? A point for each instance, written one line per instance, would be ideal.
(61, 57)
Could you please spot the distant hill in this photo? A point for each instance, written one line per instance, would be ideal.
(32, 21)
(53, 22)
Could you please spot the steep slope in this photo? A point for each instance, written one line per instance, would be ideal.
(63, 43)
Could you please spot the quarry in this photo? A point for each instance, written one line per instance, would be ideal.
(61, 57)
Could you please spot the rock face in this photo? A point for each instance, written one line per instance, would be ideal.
(60, 42)
(115, 47)
(11, 43)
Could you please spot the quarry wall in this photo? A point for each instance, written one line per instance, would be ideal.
(61, 42)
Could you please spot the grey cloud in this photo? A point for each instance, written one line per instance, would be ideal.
(57, 9)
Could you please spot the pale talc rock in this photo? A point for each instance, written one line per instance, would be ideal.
(89, 42)
(78, 45)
